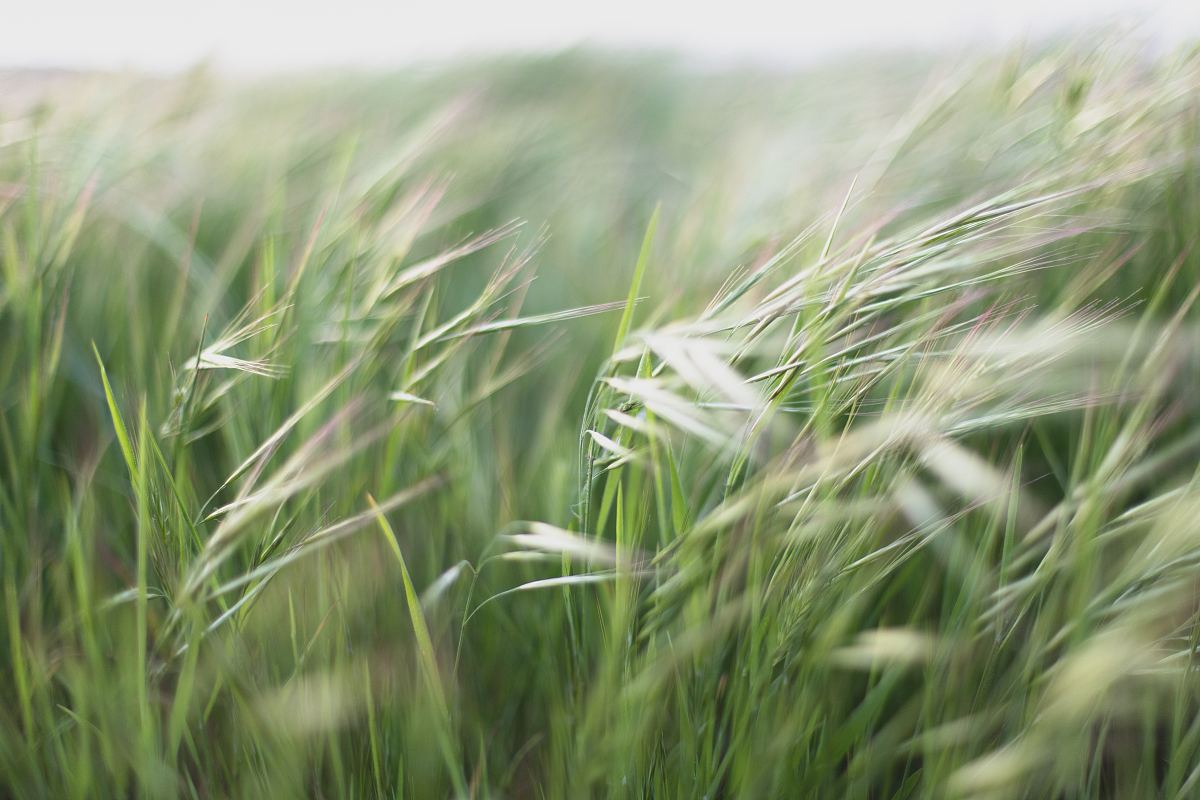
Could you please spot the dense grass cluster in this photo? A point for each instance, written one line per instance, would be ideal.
(587, 427)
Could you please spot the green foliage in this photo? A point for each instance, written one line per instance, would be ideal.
(845, 444)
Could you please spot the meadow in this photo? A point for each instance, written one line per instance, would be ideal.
(602, 425)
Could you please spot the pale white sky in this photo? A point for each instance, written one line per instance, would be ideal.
(267, 35)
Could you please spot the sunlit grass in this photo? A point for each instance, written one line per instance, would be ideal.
(596, 427)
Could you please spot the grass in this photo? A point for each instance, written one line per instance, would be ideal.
(844, 445)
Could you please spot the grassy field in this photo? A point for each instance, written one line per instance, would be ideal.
(597, 426)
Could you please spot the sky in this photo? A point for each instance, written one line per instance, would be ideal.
(275, 35)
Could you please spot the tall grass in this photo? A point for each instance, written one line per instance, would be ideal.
(594, 427)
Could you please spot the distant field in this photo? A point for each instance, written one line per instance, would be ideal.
(603, 426)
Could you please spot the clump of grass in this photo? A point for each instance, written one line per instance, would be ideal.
(811, 464)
